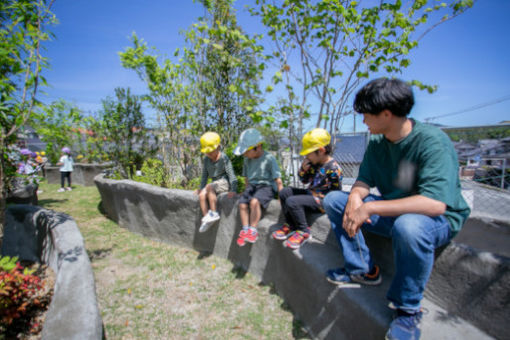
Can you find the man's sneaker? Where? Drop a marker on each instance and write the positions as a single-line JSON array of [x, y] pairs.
[[372, 278], [283, 233], [69, 189], [405, 326], [242, 235], [340, 277], [61, 190], [298, 238]]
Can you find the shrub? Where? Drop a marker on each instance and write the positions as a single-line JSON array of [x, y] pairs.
[[18, 287]]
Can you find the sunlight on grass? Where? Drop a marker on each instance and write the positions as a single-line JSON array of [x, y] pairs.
[[152, 290]]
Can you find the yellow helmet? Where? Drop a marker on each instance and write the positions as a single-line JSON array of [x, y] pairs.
[[314, 139], [209, 142]]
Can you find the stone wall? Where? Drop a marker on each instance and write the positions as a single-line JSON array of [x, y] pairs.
[[45, 236], [83, 174], [466, 297]]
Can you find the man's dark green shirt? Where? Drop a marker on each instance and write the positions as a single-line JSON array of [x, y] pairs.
[[423, 163]]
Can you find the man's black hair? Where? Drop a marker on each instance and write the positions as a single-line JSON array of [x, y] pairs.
[[385, 94]]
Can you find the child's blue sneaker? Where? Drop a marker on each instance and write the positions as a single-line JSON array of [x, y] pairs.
[[405, 326]]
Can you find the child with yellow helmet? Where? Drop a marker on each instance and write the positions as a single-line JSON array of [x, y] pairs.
[[262, 178], [322, 174], [217, 166]]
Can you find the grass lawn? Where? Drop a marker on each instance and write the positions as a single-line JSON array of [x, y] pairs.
[[152, 290]]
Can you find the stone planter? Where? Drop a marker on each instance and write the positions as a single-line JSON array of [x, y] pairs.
[[44, 236], [463, 276], [83, 174]]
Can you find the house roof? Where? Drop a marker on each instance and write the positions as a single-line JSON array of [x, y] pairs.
[[350, 148]]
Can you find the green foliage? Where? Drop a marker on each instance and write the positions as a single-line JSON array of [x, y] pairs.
[[122, 132], [237, 161], [18, 287], [212, 87], [153, 173], [341, 44], [57, 124], [241, 184], [22, 30], [473, 135]]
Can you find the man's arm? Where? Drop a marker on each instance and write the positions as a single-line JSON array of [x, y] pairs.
[[357, 212]]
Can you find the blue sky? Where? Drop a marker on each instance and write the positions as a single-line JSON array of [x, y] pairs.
[[468, 57]]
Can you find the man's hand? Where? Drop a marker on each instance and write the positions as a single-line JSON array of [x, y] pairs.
[[196, 192], [355, 213]]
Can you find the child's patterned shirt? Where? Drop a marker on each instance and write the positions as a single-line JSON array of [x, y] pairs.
[[322, 178]]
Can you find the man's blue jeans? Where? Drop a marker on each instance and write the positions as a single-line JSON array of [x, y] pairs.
[[414, 239]]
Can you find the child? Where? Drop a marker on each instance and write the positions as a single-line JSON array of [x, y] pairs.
[[217, 166], [262, 176], [322, 174], [66, 168]]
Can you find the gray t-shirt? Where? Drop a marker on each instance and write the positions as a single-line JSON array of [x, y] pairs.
[[222, 168], [262, 170]]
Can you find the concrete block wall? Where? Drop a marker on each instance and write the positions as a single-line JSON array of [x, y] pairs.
[[463, 276], [83, 174], [45, 236]]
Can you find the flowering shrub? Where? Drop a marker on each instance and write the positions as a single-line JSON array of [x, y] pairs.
[[20, 166], [18, 289]]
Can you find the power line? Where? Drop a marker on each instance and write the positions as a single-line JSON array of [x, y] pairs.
[[472, 108]]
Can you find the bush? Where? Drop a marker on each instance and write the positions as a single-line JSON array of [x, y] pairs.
[[17, 290]]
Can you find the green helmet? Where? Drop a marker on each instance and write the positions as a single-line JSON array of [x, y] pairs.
[[248, 139]]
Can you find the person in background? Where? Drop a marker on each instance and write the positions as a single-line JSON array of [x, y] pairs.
[[217, 166], [66, 168]]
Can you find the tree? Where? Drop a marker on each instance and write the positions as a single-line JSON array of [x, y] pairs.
[[333, 45], [23, 25], [213, 86], [58, 125], [122, 124]]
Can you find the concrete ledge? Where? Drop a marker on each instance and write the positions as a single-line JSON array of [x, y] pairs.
[[83, 174], [173, 216], [41, 235]]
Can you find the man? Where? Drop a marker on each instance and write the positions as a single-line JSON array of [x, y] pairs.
[[414, 166]]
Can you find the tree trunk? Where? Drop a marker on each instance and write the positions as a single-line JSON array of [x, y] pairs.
[[3, 192]]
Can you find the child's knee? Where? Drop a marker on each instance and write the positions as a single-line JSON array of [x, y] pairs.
[[254, 203]]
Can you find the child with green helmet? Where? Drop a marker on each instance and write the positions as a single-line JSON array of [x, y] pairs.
[[262, 178], [217, 166], [322, 174]]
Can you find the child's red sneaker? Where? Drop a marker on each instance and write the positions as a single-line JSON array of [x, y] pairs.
[[283, 233], [299, 238]]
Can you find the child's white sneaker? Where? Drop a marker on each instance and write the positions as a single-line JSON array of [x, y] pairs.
[[204, 227], [213, 216]]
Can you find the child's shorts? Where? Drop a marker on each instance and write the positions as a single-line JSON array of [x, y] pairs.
[[263, 193], [220, 185]]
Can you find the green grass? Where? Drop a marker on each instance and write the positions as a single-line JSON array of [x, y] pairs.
[[152, 290]]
